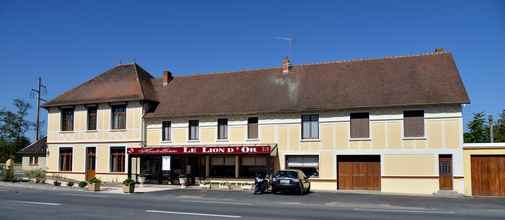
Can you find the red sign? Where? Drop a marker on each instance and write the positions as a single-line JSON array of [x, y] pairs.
[[200, 150]]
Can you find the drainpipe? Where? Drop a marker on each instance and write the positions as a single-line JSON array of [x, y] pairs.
[[491, 138]]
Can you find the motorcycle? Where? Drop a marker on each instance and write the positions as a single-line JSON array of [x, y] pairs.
[[261, 184]]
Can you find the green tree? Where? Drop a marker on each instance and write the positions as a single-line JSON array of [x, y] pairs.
[[13, 126], [478, 129], [499, 128]]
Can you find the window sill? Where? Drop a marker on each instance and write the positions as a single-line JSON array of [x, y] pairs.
[[311, 140], [91, 131], [118, 130], [193, 141], [166, 142], [66, 132], [252, 139], [414, 138], [360, 139], [222, 140]]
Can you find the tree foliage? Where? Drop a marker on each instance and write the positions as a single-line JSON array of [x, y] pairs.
[[13, 126], [478, 129], [499, 128]]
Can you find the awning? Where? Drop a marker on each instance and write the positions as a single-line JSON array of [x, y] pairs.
[[205, 150]]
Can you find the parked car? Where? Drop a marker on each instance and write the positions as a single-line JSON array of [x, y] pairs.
[[290, 180]]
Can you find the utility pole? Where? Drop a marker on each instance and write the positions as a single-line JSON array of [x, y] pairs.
[[38, 95], [491, 138]]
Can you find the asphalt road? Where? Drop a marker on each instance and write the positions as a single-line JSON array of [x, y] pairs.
[[23, 203]]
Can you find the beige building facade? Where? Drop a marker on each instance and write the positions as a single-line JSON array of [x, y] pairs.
[[407, 165], [376, 134]]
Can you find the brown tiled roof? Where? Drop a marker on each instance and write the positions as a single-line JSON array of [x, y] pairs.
[[126, 82], [36, 148], [428, 79]]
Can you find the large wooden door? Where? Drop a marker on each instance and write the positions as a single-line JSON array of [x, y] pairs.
[[488, 175], [90, 162], [445, 172], [361, 172]]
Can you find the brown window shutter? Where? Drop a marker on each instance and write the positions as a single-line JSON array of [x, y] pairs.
[[413, 123], [252, 128], [360, 125]]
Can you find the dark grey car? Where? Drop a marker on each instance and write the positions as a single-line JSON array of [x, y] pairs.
[[290, 180]]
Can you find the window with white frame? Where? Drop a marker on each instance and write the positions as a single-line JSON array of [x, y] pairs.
[[222, 129], [165, 131], [117, 159], [193, 129], [310, 126]]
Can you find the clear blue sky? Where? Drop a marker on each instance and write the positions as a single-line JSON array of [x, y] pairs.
[[68, 42]]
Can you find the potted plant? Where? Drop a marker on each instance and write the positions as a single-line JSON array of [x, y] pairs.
[[70, 183], [142, 179], [182, 181], [94, 184], [83, 184], [128, 186], [57, 183]]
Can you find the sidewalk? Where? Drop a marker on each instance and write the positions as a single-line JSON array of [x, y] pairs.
[[105, 188]]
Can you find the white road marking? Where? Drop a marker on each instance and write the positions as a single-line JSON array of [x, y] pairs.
[[38, 203], [405, 211], [193, 213], [218, 202]]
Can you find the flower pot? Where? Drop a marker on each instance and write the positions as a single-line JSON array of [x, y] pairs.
[[182, 181], [142, 179], [93, 187], [129, 188]]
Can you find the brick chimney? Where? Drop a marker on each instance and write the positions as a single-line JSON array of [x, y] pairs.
[[167, 77], [286, 65], [439, 50]]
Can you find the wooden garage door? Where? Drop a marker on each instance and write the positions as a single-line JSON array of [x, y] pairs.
[[359, 172], [488, 175]]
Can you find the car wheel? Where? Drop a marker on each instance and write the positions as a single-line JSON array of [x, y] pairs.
[[301, 191]]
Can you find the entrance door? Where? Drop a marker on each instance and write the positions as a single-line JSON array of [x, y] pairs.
[[90, 162], [445, 172], [359, 172], [488, 175]]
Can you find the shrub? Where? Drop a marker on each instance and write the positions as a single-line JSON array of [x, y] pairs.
[[83, 184], [8, 174], [38, 174], [70, 183], [94, 180], [57, 183], [128, 182]]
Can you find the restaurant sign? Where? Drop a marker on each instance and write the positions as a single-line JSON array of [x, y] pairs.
[[200, 150]]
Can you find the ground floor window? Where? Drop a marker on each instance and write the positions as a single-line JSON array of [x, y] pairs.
[[34, 160], [250, 166], [309, 164], [117, 159], [66, 159], [222, 166]]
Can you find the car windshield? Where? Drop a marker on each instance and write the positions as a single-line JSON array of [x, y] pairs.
[[290, 174]]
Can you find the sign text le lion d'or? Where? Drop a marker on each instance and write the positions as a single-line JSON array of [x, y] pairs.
[[202, 150]]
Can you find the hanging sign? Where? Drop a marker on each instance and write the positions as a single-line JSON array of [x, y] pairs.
[[165, 163]]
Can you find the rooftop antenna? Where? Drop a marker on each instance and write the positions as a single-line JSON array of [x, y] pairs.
[[290, 44], [38, 93]]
